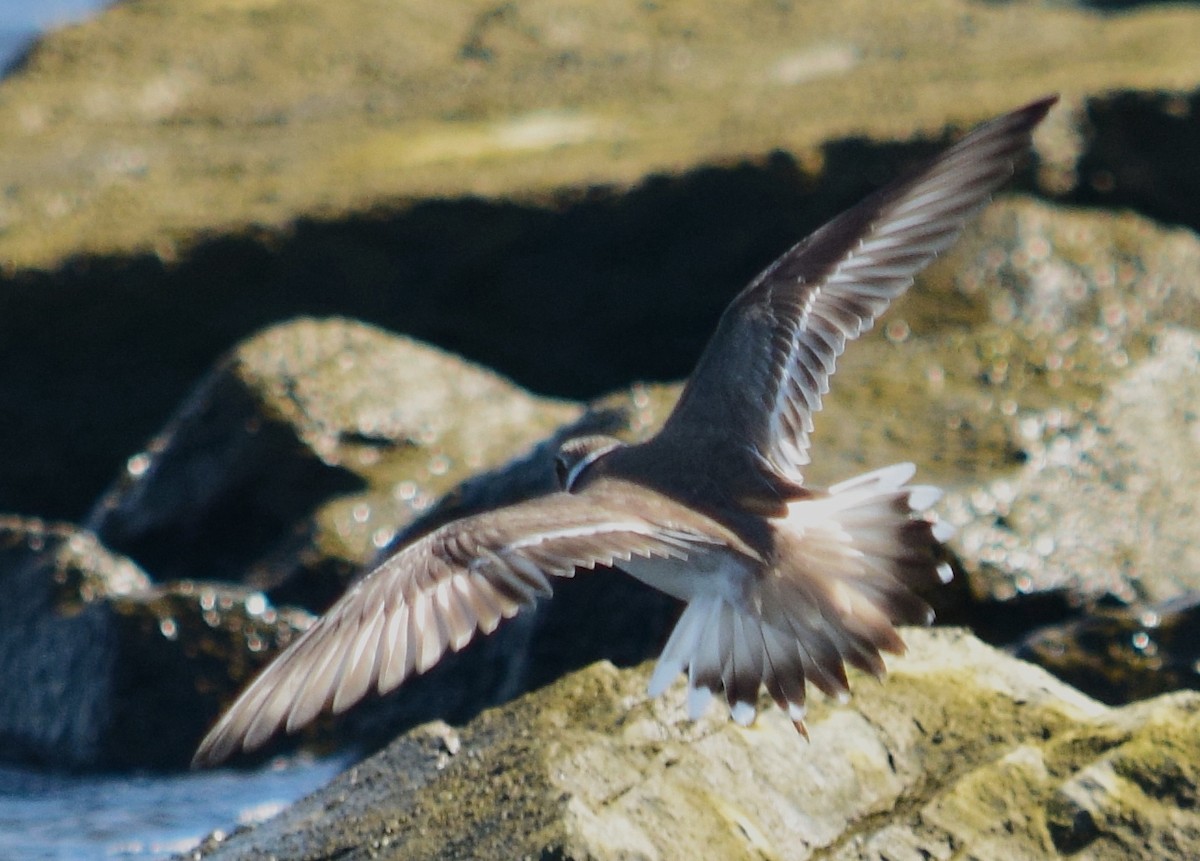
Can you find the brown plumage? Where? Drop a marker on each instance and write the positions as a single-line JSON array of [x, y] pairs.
[[783, 584]]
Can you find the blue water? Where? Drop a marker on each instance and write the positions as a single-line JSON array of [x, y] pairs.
[[59, 818], [22, 20]]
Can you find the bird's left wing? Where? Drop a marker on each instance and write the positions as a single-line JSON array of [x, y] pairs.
[[434, 595]]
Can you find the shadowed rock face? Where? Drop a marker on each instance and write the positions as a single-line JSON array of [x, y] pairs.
[[104, 669]]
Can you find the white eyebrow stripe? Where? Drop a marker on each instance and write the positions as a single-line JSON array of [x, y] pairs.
[[583, 464]]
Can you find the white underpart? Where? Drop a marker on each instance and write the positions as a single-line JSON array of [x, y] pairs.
[[723, 591], [711, 582], [705, 572], [821, 512]]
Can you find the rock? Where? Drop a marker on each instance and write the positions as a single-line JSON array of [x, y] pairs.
[[181, 647], [537, 176], [104, 670], [1125, 652], [307, 451], [57, 640], [300, 456], [1072, 377], [569, 196], [261, 113], [1105, 504], [1040, 373], [1035, 355], [962, 751], [1141, 155]]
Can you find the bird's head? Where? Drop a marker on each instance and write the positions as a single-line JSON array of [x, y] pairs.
[[575, 456]]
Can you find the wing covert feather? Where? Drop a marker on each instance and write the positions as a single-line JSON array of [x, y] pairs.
[[430, 597]]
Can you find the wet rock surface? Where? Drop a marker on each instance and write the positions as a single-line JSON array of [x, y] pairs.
[[1121, 652], [57, 640], [964, 749], [104, 669], [1052, 372]]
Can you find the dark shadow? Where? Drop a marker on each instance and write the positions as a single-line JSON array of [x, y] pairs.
[[1143, 153], [571, 297]]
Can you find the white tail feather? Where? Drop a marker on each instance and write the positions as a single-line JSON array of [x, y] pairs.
[[845, 566]]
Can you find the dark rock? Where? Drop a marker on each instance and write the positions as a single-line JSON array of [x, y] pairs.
[[181, 648], [1141, 154], [1122, 653], [101, 669], [58, 643]]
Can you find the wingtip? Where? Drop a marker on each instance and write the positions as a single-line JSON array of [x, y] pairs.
[[1030, 115], [1015, 124], [1041, 107], [209, 754]]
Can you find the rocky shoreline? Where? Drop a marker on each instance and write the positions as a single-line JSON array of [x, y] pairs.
[[280, 297]]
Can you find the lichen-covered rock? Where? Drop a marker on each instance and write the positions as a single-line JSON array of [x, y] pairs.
[[963, 752], [1106, 503], [125, 134], [1078, 375]]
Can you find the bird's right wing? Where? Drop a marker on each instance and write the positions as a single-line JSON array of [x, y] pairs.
[[765, 369], [434, 595]]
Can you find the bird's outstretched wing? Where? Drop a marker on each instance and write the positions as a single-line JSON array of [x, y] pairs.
[[434, 595], [762, 375]]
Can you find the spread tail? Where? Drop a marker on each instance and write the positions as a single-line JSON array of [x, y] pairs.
[[847, 563]]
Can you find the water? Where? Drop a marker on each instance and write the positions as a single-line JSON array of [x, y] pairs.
[[52, 817], [22, 20]]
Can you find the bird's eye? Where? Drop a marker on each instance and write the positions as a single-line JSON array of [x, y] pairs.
[[561, 472]]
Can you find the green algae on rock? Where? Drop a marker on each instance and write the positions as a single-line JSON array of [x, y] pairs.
[[151, 123], [963, 750]]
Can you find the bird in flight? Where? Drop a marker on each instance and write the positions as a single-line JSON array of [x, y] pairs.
[[782, 584]]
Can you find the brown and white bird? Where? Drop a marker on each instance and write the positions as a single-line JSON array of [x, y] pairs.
[[782, 583]]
